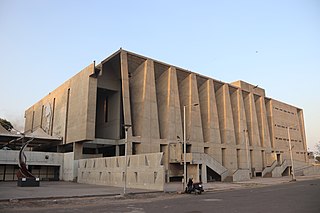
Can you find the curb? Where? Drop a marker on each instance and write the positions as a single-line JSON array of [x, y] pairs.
[[56, 197], [75, 196]]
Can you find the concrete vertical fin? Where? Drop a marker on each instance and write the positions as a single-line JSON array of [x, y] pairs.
[[144, 102], [189, 96], [151, 122], [91, 111], [253, 132], [163, 97], [239, 116], [125, 90], [263, 123], [252, 120], [169, 109], [226, 119], [137, 95], [270, 120], [174, 119], [195, 122], [209, 113]]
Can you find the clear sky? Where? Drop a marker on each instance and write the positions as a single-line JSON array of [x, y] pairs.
[[273, 43]]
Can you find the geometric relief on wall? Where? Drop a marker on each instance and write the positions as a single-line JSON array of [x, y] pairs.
[[47, 117]]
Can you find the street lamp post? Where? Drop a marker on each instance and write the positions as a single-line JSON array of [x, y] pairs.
[[291, 157], [247, 151], [185, 145], [126, 128]]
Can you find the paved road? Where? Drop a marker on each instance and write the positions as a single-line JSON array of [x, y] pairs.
[[301, 196]]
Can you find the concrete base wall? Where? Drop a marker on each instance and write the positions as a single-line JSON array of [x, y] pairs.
[[68, 167], [314, 170], [144, 171], [241, 175], [33, 158], [11, 157]]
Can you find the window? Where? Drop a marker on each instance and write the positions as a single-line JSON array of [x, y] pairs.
[[106, 109]]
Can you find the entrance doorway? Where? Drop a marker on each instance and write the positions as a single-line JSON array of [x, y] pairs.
[[278, 159]]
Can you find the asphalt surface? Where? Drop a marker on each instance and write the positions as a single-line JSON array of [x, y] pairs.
[[300, 196], [285, 198], [59, 189]]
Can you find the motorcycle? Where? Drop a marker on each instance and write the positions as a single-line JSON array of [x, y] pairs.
[[196, 188]]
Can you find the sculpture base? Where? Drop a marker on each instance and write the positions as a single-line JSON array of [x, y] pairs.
[[28, 182]]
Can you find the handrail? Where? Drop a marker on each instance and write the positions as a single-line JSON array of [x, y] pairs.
[[303, 168], [274, 162], [269, 168], [239, 170]]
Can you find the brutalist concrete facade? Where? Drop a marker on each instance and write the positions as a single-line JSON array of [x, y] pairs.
[[233, 131]]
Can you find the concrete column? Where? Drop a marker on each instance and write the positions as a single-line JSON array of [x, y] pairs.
[[204, 173], [77, 149], [243, 161], [117, 150], [92, 106], [60, 149]]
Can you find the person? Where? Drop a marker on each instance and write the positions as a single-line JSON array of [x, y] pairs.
[[190, 184]]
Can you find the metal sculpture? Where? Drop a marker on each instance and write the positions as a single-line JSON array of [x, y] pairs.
[[25, 177], [23, 170]]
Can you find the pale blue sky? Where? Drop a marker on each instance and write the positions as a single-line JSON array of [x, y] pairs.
[[272, 43]]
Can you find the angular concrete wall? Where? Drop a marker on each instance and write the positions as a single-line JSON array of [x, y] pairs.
[[78, 95], [144, 171]]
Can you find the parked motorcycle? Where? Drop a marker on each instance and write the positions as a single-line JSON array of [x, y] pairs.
[[196, 188]]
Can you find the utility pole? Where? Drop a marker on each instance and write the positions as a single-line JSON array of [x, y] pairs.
[[126, 128], [185, 145], [291, 157]]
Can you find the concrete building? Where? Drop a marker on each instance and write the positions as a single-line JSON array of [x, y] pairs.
[[233, 131]]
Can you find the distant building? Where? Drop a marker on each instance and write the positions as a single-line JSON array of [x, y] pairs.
[[233, 131]]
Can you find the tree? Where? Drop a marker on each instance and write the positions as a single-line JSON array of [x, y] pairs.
[[317, 149], [6, 124]]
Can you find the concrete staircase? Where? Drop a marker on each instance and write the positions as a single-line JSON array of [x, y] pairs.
[[205, 159], [278, 170], [267, 172]]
